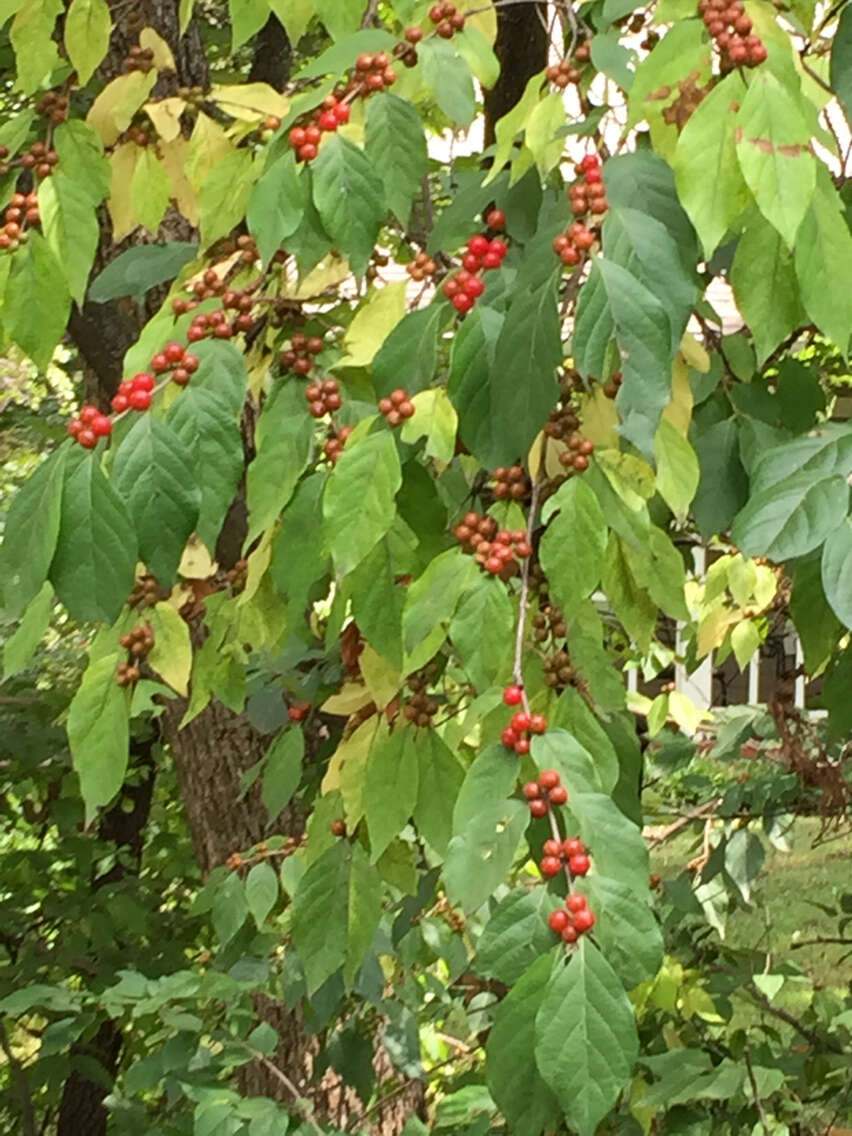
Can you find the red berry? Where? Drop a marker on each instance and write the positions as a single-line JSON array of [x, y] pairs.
[[521, 722], [462, 302], [570, 934], [313, 134], [522, 747], [327, 120], [552, 847], [573, 846], [87, 438], [509, 737], [101, 425], [472, 262], [579, 865], [590, 162], [576, 902], [88, 414], [513, 696], [159, 363], [181, 376], [538, 808], [498, 247], [491, 260], [191, 363], [139, 399], [308, 152], [173, 352], [195, 333], [550, 866], [531, 790], [75, 426], [478, 245], [549, 779], [119, 403], [558, 920], [538, 723], [559, 795], [496, 219], [297, 137], [341, 113], [143, 382], [584, 920], [474, 286], [450, 287]]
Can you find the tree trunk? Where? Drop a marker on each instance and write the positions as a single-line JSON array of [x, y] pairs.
[[521, 48]]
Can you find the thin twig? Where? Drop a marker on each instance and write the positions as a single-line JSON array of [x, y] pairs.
[[700, 813], [817, 1040], [752, 1079], [302, 1103], [517, 668], [20, 1078], [818, 942]]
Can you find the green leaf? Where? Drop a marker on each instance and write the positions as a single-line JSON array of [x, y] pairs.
[[615, 842], [396, 145], [841, 61], [31, 531], [150, 190], [817, 625], [558, 749], [98, 733], [210, 432], [541, 132], [821, 453], [683, 51], [364, 911], [340, 17], [276, 206], [295, 16], [82, 159], [448, 77], [151, 474], [824, 252], [261, 891], [224, 194], [773, 148], [791, 518], [744, 856], [678, 471], [586, 1041], [481, 631], [433, 597], [349, 195], [37, 302], [247, 18], [631, 602], [138, 269], [710, 183], [439, 780], [222, 372], [230, 909], [516, 934], [572, 548], [21, 644], [411, 350], [626, 930], [390, 789], [723, 485], [513, 1077], [837, 571], [88, 25], [763, 277], [284, 440], [377, 602], [476, 50], [95, 560], [358, 503], [31, 35], [339, 56], [282, 771], [612, 58]]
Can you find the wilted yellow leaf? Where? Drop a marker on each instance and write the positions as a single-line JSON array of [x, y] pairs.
[[151, 41], [112, 111]]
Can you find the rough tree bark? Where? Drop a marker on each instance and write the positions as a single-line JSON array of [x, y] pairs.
[[521, 48]]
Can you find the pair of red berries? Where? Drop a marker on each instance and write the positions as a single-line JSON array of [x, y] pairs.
[[89, 426], [305, 140], [571, 851], [483, 254], [572, 920], [175, 358], [547, 791], [135, 393], [298, 711]]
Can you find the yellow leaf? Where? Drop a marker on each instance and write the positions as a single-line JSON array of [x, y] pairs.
[[163, 58], [171, 655], [88, 24], [383, 680], [208, 145], [766, 586], [351, 697], [150, 190], [123, 165], [250, 102], [165, 116], [258, 562], [684, 711], [330, 272], [184, 14], [353, 749], [196, 562], [679, 409], [599, 418], [173, 156], [485, 20], [694, 353], [372, 324], [631, 477], [112, 111], [713, 628], [435, 416]]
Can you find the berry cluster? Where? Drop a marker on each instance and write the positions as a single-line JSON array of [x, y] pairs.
[[463, 288], [372, 73], [422, 267], [731, 28], [216, 325], [137, 133], [262, 851], [510, 482], [556, 853], [517, 734], [298, 357], [21, 213], [611, 386], [446, 19], [566, 71], [305, 138], [562, 420], [549, 623], [498, 552], [335, 442], [473, 529], [89, 426], [572, 920], [420, 708], [298, 711], [175, 358], [588, 194], [572, 245], [396, 407], [53, 106], [145, 592], [541, 794], [137, 643], [237, 575], [40, 159], [323, 398], [138, 59], [559, 671], [576, 457]]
